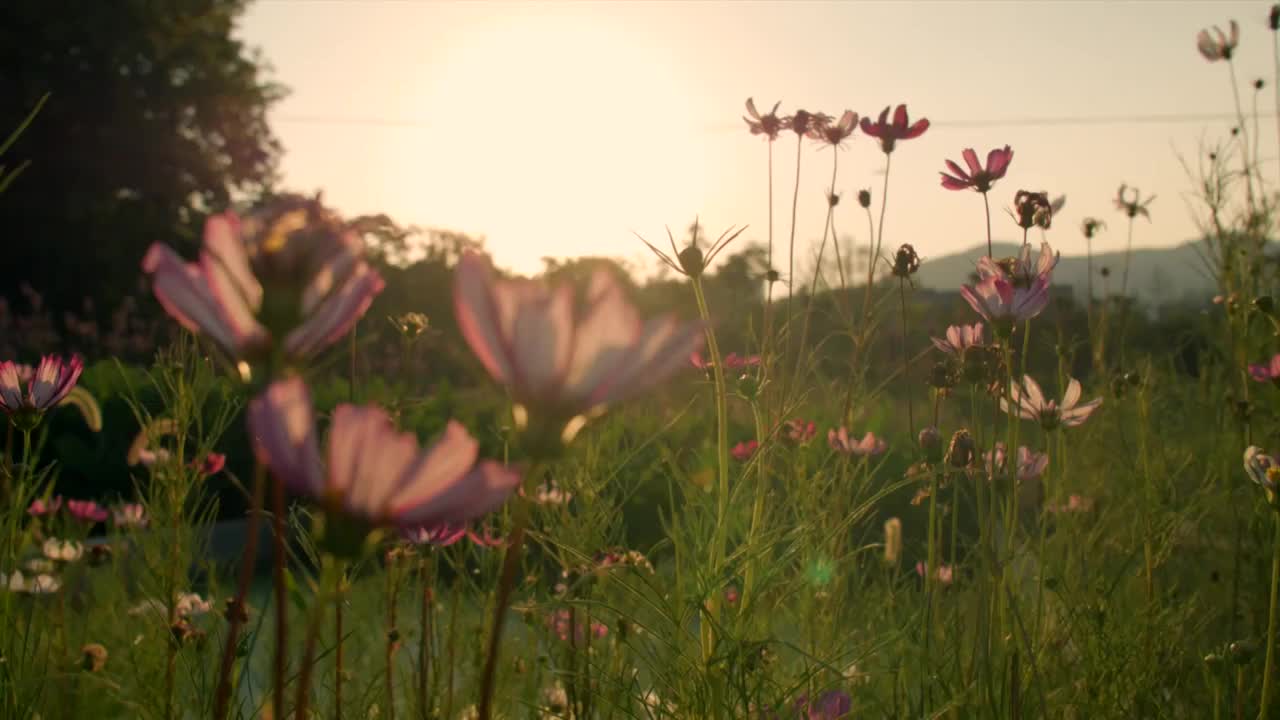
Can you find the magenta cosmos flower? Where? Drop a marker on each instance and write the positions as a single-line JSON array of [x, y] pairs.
[[960, 338], [743, 451], [889, 133], [447, 534], [768, 124], [978, 177], [39, 507], [560, 358], [1218, 45], [373, 474], [1266, 372], [86, 511], [1032, 405], [998, 300], [46, 386], [732, 361], [1020, 269], [1031, 464], [830, 705], [291, 270], [834, 133], [944, 576], [799, 431], [869, 446]]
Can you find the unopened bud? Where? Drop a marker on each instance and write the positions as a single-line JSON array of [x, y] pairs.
[[691, 261], [905, 261], [931, 443], [1242, 651], [1273, 20], [864, 198], [961, 451], [92, 657], [892, 541]]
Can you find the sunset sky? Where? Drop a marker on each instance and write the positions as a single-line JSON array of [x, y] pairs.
[[557, 129]]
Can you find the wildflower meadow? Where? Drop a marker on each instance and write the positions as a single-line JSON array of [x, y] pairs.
[[289, 479]]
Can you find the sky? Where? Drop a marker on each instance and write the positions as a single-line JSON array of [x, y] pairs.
[[559, 129]]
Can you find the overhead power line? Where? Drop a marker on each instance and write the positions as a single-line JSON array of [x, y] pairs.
[[1062, 121]]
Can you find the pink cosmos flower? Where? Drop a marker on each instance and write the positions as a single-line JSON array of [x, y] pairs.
[[1031, 464], [731, 595], [945, 574], [799, 432], [39, 507], [743, 451], [834, 133], [868, 446], [86, 511], [1268, 372], [1218, 46], [558, 358], [890, 133], [768, 124], [562, 623], [960, 338], [732, 361], [129, 515], [803, 121], [290, 270], [211, 464], [46, 386], [446, 534], [374, 474], [1032, 405], [1019, 269], [978, 177], [1001, 302]]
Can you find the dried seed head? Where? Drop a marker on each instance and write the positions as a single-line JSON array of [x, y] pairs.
[[930, 441], [962, 449], [905, 262], [864, 198]]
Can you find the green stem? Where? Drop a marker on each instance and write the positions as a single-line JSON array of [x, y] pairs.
[[757, 515], [1268, 669], [722, 460], [330, 579]]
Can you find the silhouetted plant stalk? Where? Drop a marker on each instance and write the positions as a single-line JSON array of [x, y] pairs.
[[757, 512], [791, 249], [428, 575], [328, 588], [1269, 668], [392, 631], [280, 561], [236, 609], [832, 200], [338, 641]]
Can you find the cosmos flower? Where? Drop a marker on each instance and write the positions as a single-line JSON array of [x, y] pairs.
[[1033, 209], [1031, 464], [212, 464], [1269, 372], [834, 133], [36, 585], [1003, 303], [1019, 269], [46, 386], [374, 475], [1134, 205], [803, 121], [447, 534], [41, 507], [290, 270], [868, 446], [978, 177], [563, 623], [889, 133], [732, 361], [960, 338], [1090, 226], [798, 431], [1218, 45], [129, 515], [768, 124], [86, 511], [1262, 469], [62, 550], [1032, 405], [560, 358], [1074, 504], [743, 451], [945, 574]]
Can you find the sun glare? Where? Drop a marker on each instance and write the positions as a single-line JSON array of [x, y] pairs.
[[566, 128]]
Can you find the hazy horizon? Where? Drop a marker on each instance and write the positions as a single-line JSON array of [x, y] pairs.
[[557, 129]]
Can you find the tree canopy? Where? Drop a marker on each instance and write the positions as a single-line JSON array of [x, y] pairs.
[[156, 115]]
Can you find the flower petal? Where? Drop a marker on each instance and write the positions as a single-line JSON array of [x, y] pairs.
[[476, 311], [602, 343], [433, 471], [1072, 395], [282, 429], [971, 159], [336, 314], [184, 292]]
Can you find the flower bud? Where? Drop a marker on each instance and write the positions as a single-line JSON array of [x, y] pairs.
[[833, 199], [931, 443], [961, 451], [1273, 20], [905, 262], [892, 541], [864, 198], [1242, 651], [1213, 661], [691, 261]]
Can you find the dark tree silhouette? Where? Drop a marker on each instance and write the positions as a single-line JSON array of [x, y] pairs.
[[156, 116]]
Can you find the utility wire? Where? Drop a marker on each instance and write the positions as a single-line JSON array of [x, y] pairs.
[[1063, 121]]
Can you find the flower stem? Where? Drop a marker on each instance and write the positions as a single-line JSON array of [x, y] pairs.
[[757, 515], [722, 460], [424, 637], [337, 653], [906, 358], [1268, 668], [791, 268], [281, 593], [986, 204], [506, 586], [330, 581], [236, 610]]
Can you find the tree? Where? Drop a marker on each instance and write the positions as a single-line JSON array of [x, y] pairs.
[[156, 116]]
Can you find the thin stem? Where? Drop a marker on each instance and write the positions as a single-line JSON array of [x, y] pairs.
[[986, 204], [330, 581], [337, 654], [282, 601], [757, 515], [506, 586], [722, 458], [424, 637], [906, 358], [236, 611], [1244, 137], [1268, 669], [393, 635], [791, 269]]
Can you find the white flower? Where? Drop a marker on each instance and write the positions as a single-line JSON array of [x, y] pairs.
[[64, 550]]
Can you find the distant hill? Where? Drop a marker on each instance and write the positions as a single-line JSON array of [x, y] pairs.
[[1156, 275]]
